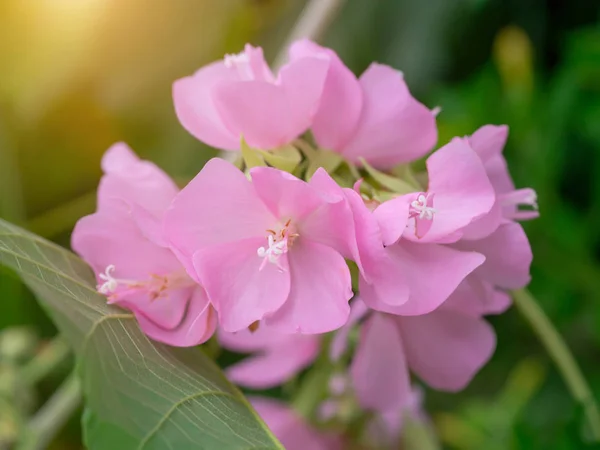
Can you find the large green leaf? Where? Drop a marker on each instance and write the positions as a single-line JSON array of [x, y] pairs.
[[139, 394]]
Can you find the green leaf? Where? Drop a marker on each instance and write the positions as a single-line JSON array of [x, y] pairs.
[[285, 158], [139, 394], [326, 159], [252, 157], [392, 183]]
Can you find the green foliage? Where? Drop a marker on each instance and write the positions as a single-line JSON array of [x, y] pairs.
[[139, 394]]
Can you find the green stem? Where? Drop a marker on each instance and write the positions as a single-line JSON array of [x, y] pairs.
[[46, 361], [563, 358], [52, 416]]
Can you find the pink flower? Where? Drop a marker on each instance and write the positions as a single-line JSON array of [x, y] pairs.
[[445, 348], [489, 141], [123, 244], [291, 430], [240, 96], [400, 276], [508, 256], [373, 117], [459, 192], [272, 248], [276, 357]]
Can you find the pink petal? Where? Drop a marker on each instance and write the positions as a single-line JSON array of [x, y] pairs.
[[333, 224], [508, 256], [462, 189], [393, 126], [290, 428], [102, 239], [432, 272], [276, 366], [286, 196], [447, 348], [476, 297], [218, 206], [485, 225], [132, 181], [381, 274], [271, 115], [238, 289], [196, 110], [498, 173], [489, 141], [341, 101], [320, 290], [246, 341], [164, 313], [379, 372], [197, 326], [339, 343], [303, 81], [392, 217]]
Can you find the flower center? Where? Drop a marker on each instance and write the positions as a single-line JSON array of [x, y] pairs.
[[278, 243], [422, 207], [156, 286]]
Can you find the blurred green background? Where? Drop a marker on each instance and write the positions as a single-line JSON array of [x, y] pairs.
[[78, 75]]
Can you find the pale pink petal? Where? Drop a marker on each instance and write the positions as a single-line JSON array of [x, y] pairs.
[[197, 326], [447, 348], [320, 291], [341, 101], [255, 110], [246, 341], [379, 372], [240, 291], [286, 196], [196, 110], [432, 272], [393, 126], [333, 224], [461, 187], [165, 312], [498, 173], [218, 206], [258, 69], [100, 239], [485, 225], [290, 428], [302, 81], [339, 342], [275, 366], [508, 256], [392, 217], [133, 181], [489, 141], [381, 277]]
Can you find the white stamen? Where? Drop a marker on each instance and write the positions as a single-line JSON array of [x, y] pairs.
[[420, 206], [110, 283], [273, 252], [234, 60]]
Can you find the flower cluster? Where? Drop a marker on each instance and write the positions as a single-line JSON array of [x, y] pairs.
[[321, 225]]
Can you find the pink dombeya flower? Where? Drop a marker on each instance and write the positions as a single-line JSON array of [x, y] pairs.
[[488, 142], [275, 359], [373, 117], [240, 96], [411, 278], [270, 248], [291, 429], [445, 348], [135, 269]]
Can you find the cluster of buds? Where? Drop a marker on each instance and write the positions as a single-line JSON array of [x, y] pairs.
[[320, 225]]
